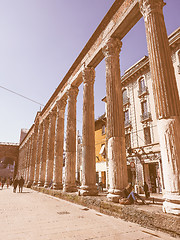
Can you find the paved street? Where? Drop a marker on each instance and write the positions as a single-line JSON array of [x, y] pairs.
[[35, 216]]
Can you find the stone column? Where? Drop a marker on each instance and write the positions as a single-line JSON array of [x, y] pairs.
[[38, 154], [33, 157], [70, 161], [88, 135], [50, 149], [115, 121], [31, 161], [42, 166], [28, 159], [166, 100], [59, 144]]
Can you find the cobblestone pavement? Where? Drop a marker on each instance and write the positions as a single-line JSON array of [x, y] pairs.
[[35, 216]]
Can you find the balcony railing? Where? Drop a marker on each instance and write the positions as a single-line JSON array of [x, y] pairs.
[[142, 91], [146, 117]]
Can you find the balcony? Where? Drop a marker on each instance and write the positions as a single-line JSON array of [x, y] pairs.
[[145, 117], [143, 91]]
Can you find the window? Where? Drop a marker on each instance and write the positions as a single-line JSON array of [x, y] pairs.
[[128, 140], [144, 108], [142, 85], [125, 97], [126, 118], [103, 129], [147, 135], [146, 116]]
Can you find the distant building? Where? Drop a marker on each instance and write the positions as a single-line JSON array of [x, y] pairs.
[[24, 131]]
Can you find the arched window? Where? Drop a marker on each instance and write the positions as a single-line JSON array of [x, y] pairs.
[[142, 85], [125, 97]]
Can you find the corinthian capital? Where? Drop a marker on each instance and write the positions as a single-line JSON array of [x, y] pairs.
[[149, 6], [52, 113], [61, 103], [112, 47], [72, 92], [88, 75]]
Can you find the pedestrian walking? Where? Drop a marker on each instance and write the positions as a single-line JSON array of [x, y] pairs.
[[21, 184], [15, 184], [8, 182], [146, 190], [3, 182]]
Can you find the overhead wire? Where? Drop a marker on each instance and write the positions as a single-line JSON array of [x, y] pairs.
[[21, 96]]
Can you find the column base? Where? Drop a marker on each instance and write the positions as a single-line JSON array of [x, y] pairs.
[[114, 195], [88, 191], [69, 188], [40, 184], [57, 186], [171, 204], [46, 184], [35, 183]]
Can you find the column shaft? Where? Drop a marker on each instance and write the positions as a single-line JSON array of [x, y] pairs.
[[88, 135], [59, 144], [42, 167], [166, 100], [50, 149], [115, 121], [38, 154], [70, 161], [32, 157]]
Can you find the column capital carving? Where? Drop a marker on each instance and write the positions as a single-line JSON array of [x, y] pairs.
[[61, 103], [88, 75], [149, 6], [46, 121], [52, 113], [72, 92], [112, 47]]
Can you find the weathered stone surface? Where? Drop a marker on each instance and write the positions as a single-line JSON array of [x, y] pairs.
[[166, 96], [70, 161], [50, 148], [38, 154], [115, 120], [42, 167], [88, 135], [59, 144]]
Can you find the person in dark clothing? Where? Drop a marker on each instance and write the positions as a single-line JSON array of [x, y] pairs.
[[146, 190], [3, 182], [21, 184], [15, 184], [129, 194], [127, 190]]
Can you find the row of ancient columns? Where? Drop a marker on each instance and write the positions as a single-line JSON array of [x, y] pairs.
[[45, 148], [44, 157]]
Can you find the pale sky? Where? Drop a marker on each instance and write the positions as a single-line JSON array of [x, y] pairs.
[[40, 40]]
